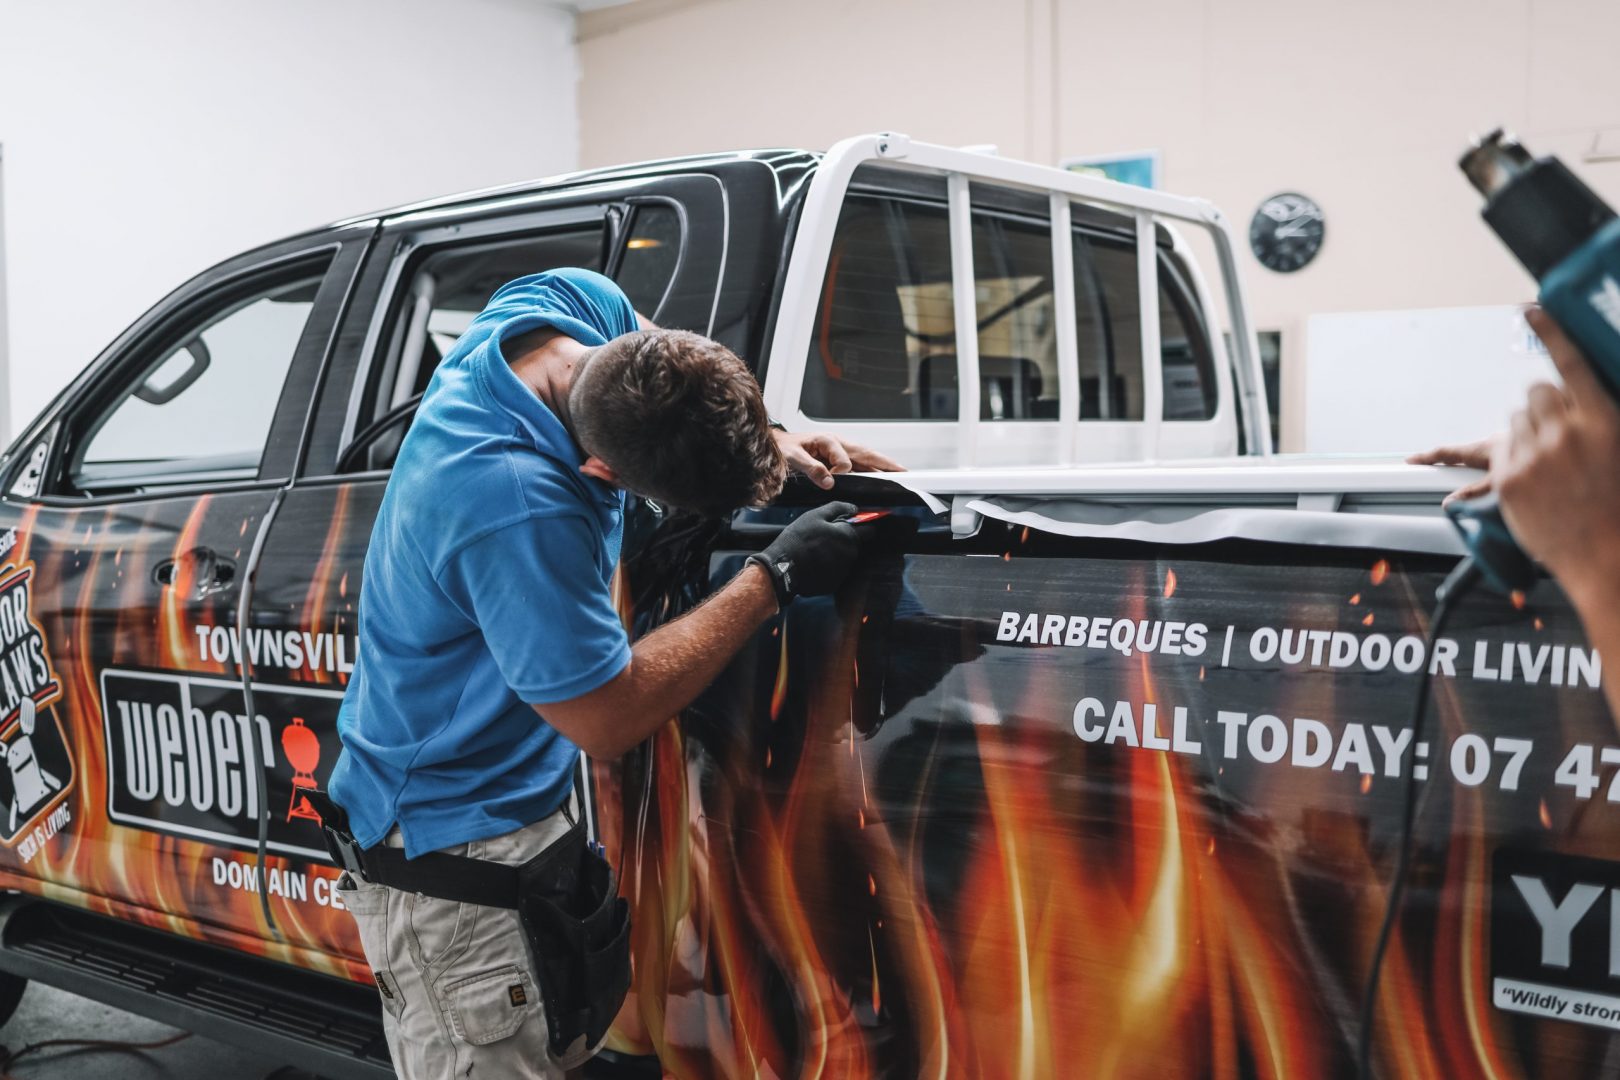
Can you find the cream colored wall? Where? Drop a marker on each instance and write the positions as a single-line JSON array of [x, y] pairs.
[[1361, 105]]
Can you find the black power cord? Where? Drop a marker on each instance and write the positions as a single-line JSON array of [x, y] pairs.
[[1457, 584], [9, 1057]]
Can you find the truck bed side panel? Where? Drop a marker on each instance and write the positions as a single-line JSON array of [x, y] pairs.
[[1057, 808]]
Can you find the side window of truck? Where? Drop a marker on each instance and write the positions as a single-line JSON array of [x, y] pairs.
[[651, 253], [441, 291], [884, 344], [444, 286], [196, 405]]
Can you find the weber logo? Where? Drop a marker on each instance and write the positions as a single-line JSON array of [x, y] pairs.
[[181, 753], [1555, 937]]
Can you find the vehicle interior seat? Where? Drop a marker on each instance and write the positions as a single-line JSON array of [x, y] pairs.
[[1010, 388]]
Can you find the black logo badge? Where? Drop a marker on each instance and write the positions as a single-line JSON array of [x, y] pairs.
[[182, 753], [25, 665], [1555, 937], [38, 769], [38, 765]]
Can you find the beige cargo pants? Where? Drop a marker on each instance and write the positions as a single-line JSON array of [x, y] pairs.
[[458, 992]]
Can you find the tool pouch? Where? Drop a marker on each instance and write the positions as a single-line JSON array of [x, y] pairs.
[[575, 923], [578, 929]]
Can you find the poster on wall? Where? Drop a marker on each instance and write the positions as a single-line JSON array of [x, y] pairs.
[[1139, 167]]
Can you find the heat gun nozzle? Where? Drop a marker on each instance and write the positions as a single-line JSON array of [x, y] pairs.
[[1493, 161]]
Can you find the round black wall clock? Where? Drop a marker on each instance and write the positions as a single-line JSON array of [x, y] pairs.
[[1286, 232]]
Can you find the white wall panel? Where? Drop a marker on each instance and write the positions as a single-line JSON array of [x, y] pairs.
[[1398, 381], [145, 141]]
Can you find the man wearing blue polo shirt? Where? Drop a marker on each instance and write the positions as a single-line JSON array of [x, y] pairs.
[[490, 650]]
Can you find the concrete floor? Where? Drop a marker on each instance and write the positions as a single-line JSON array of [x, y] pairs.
[[48, 1013]]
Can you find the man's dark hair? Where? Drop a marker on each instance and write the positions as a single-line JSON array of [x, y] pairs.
[[680, 419]]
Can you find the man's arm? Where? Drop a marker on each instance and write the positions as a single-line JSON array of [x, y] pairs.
[[1556, 476], [672, 665], [1554, 471], [668, 669]]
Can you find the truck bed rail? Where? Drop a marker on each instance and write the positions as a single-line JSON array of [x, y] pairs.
[[1340, 502]]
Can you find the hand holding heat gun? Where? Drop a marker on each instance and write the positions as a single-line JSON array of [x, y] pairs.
[[1569, 240]]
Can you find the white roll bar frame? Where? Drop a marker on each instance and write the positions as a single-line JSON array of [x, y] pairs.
[[818, 222]]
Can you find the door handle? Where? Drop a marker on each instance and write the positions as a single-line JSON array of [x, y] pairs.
[[211, 571]]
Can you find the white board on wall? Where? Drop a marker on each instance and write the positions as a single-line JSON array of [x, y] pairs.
[[1396, 381]]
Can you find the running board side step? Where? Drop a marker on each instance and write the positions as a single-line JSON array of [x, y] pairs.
[[316, 1022]]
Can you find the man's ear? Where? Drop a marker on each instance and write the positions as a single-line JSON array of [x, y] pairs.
[[595, 466]]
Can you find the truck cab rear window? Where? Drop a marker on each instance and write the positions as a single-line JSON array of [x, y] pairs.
[[1012, 274], [885, 323], [884, 344], [1190, 392]]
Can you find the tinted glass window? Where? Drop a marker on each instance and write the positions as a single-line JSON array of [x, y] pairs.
[[885, 324], [1108, 328], [1012, 270], [201, 410], [1270, 344], [1190, 392], [884, 343], [451, 286], [650, 255], [445, 290]]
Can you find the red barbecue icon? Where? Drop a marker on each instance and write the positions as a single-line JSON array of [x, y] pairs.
[[303, 749]]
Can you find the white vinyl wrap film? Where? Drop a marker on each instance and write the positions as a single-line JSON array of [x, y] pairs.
[[1347, 501], [1193, 525]]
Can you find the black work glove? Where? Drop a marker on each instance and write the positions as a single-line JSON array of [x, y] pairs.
[[812, 556]]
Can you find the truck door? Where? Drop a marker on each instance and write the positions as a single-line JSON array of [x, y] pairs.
[[126, 524], [431, 275]]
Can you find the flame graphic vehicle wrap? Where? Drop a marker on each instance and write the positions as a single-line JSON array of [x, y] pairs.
[[158, 823], [891, 842], [893, 839]]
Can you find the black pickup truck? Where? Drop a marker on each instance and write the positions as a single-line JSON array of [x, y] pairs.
[[1094, 769]]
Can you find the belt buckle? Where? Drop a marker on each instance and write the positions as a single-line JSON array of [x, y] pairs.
[[346, 851]]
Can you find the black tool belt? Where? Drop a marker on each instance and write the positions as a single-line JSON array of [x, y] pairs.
[[576, 924]]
